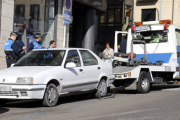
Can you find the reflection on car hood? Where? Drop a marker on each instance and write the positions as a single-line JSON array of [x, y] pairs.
[[24, 71]]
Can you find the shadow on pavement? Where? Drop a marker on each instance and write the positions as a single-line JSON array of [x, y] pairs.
[[122, 91], [76, 98], [161, 87], [3, 110], [153, 88], [38, 103]]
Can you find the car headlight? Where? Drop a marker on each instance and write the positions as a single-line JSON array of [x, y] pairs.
[[25, 80]]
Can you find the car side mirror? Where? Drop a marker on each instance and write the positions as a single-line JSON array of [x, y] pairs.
[[12, 65], [70, 65]]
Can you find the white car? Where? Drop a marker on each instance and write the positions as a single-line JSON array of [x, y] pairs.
[[49, 73]]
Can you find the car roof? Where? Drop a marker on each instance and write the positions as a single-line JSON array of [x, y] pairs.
[[59, 49]]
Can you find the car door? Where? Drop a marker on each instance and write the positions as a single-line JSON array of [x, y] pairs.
[[91, 69], [72, 77]]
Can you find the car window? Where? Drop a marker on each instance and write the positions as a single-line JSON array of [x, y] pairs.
[[42, 58], [73, 56], [88, 58]]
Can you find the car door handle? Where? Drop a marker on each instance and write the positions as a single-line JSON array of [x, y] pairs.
[[178, 54], [99, 68], [80, 70]]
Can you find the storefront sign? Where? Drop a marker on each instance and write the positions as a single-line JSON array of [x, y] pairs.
[[67, 10]]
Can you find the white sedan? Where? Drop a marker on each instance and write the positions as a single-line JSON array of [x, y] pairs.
[[49, 73]]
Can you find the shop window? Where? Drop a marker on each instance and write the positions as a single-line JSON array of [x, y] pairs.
[[118, 15], [19, 15], [148, 15], [103, 18], [110, 15], [35, 18]]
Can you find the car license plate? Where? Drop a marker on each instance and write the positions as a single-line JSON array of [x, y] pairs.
[[5, 88], [142, 28]]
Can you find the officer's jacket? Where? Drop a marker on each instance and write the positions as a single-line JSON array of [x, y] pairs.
[[11, 48], [34, 45]]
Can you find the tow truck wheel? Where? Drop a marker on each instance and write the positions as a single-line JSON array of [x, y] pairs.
[[51, 96], [101, 90], [143, 85]]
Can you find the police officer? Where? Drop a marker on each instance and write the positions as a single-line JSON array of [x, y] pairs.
[[52, 44], [35, 44], [12, 50], [20, 45]]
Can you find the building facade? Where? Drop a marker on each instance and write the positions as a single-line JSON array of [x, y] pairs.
[[151, 10], [93, 22]]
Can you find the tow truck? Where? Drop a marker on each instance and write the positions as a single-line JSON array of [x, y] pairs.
[[152, 56]]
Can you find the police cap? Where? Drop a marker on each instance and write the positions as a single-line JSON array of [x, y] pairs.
[[14, 33]]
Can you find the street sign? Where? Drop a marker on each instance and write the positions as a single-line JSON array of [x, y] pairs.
[[66, 22], [67, 10], [67, 15]]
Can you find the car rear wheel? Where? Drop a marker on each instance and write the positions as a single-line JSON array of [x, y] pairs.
[[51, 96], [102, 89]]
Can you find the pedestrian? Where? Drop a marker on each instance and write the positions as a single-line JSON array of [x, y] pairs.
[[52, 44], [108, 52], [122, 45], [12, 50], [35, 44]]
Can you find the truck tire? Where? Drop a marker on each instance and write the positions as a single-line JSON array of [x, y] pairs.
[[51, 96], [102, 89], [143, 85]]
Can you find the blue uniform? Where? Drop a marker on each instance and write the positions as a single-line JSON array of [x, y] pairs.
[[20, 45], [12, 52], [123, 45], [48, 53], [34, 45]]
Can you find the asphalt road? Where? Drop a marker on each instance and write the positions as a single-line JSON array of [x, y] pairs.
[[162, 103]]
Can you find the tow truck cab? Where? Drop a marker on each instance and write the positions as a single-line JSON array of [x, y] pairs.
[[159, 55]]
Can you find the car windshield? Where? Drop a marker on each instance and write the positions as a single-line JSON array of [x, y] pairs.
[[151, 36], [42, 58]]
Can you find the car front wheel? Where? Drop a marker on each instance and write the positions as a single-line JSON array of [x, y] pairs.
[[102, 89], [51, 96]]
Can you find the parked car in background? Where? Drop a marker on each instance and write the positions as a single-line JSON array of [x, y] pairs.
[[51, 73]]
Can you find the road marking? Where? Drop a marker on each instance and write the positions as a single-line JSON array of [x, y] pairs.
[[33, 115], [80, 105]]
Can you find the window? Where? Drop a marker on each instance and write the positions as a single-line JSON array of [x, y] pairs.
[[148, 15], [178, 37], [73, 57], [88, 58], [42, 58], [34, 21], [35, 16], [152, 36]]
